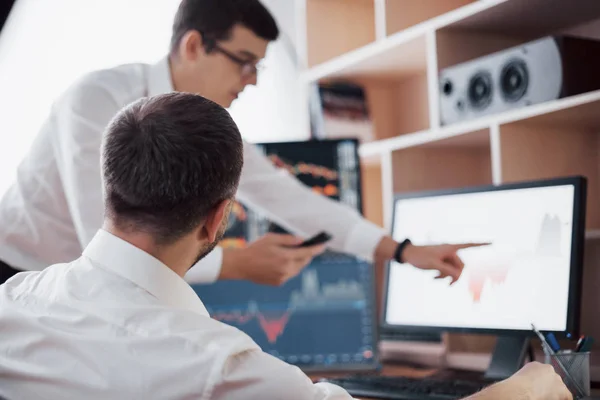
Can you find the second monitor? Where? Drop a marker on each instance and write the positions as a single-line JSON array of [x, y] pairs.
[[530, 273]]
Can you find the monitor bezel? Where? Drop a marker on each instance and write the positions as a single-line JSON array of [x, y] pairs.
[[576, 264]]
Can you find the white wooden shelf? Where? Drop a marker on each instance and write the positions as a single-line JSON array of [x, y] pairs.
[[395, 55], [403, 52], [556, 112], [392, 57], [529, 18]]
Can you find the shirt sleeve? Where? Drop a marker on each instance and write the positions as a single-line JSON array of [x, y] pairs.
[[208, 269], [286, 201], [254, 374], [82, 114]]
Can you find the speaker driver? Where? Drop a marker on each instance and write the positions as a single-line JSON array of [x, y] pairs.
[[480, 90], [514, 80]]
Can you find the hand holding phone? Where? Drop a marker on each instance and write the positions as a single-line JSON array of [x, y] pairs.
[[319, 238]]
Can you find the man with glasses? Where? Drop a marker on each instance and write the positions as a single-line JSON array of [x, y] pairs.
[[55, 207]]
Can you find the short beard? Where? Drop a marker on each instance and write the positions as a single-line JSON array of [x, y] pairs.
[[210, 246]]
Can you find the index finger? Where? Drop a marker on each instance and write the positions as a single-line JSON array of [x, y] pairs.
[[469, 245]]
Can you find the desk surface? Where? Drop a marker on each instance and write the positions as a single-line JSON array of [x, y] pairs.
[[387, 370], [412, 372]]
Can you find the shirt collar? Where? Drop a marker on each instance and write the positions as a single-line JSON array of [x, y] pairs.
[[159, 78], [144, 270]]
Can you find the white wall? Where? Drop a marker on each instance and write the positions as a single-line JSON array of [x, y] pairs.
[[46, 44], [279, 94]]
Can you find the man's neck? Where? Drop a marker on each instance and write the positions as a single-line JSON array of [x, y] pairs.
[[173, 256], [175, 73], [178, 74]]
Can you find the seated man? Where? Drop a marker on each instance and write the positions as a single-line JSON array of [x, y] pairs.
[[120, 322]]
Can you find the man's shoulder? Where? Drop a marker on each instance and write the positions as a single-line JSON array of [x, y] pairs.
[[203, 331], [121, 75], [120, 84], [26, 282]]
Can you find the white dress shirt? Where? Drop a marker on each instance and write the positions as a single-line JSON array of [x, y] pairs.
[[118, 324], [55, 206]]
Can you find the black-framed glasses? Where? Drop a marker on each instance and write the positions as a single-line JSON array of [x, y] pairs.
[[248, 68]]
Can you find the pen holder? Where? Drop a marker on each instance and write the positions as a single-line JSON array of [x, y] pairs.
[[575, 371]]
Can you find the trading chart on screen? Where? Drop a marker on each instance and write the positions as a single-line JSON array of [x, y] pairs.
[[529, 231], [295, 321], [332, 294]]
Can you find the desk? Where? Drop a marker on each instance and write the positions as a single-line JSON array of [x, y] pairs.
[[412, 372], [387, 370]]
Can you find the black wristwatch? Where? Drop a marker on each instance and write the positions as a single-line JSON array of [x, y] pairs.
[[400, 249]]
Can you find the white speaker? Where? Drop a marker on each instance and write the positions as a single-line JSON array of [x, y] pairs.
[[545, 69]]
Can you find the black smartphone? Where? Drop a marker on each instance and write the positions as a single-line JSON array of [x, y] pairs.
[[319, 238]]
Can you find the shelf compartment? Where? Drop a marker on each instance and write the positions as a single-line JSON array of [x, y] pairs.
[[534, 149], [452, 163], [402, 14], [530, 18], [383, 60], [394, 108], [397, 107], [335, 27]]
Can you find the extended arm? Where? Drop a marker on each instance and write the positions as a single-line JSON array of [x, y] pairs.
[[287, 202]]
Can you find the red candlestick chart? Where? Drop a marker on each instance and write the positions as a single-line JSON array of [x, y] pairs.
[[272, 324], [312, 295]]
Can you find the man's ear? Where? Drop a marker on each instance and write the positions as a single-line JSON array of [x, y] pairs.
[[191, 45], [214, 220]]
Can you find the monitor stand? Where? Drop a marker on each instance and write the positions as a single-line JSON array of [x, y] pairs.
[[508, 357]]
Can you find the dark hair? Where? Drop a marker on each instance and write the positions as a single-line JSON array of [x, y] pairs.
[[214, 19], [167, 161]]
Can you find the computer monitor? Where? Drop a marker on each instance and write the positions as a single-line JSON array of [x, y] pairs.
[[324, 318], [529, 274], [329, 167]]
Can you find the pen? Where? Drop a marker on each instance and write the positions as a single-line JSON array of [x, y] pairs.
[[579, 343], [545, 346], [548, 350], [553, 342], [586, 345]]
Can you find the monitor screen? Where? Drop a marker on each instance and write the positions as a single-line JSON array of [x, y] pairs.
[[298, 321], [335, 293], [526, 275]]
